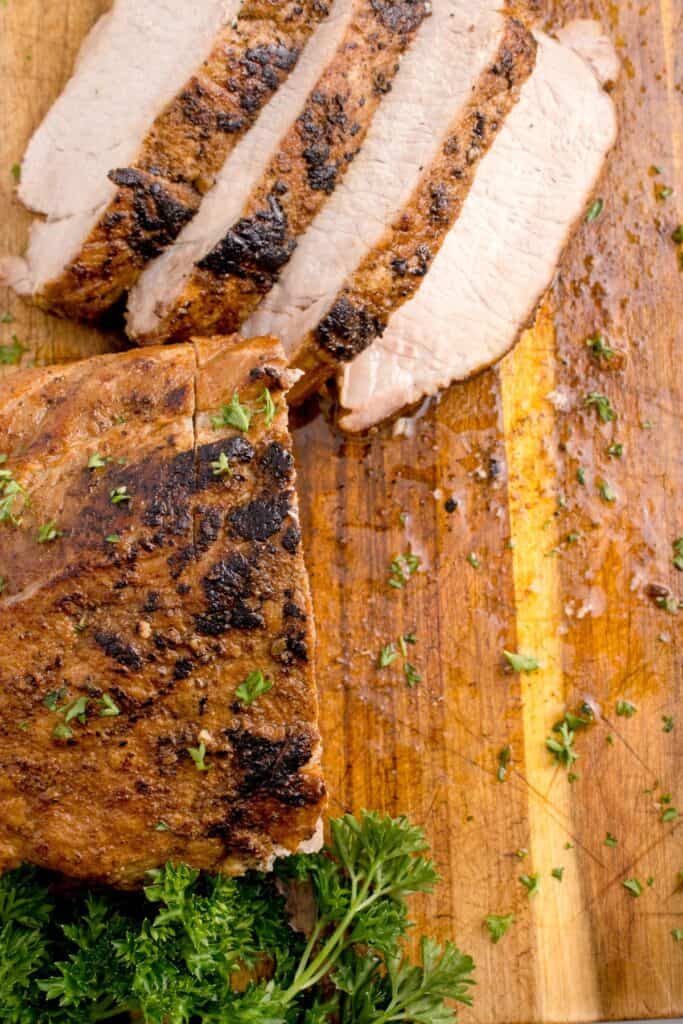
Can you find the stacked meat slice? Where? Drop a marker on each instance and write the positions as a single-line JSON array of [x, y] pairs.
[[394, 214]]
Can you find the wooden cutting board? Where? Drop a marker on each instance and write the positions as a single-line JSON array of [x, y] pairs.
[[560, 573]]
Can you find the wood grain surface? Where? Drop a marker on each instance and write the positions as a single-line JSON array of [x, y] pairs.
[[562, 574]]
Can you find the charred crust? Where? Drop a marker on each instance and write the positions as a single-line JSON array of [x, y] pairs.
[[264, 67], [291, 539], [236, 449], [401, 16], [255, 248], [347, 330], [210, 523], [182, 668], [273, 766], [290, 610], [118, 650], [157, 216], [166, 487], [261, 518], [322, 126], [227, 586], [277, 462]]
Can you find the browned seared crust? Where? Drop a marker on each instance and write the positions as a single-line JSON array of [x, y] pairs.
[[205, 585], [185, 148], [391, 273], [227, 285]]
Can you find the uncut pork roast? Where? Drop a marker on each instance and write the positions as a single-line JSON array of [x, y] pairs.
[[157, 665]]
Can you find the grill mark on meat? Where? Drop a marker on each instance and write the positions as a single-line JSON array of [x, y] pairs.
[[392, 271], [255, 248], [115, 647], [182, 153], [273, 766], [261, 518], [310, 159]]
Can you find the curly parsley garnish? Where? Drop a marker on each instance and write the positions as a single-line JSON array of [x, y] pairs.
[[181, 953]]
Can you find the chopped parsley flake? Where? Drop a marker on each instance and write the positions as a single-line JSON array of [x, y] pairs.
[[97, 461], [119, 495], [678, 554], [402, 568], [611, 840], [198, 755], [161, 826], [669, 814], [268, 407], [253, 687], [531, 883], [677, 934], [616, 450], [668, 723], [473, 560], [594, 210], [521, 662], [62, 732], [558, 873], [48, 532], [387, 655], [221, 467], [504, 759], [599, 347], [633, 886], [607, 492], [498, 925], [625, 709], [233, 415], [10, 355], [52, 699], [413, 677], [602, 406], [112, 538], [77, 709], [108, 709], [15, 171], [581, 476]]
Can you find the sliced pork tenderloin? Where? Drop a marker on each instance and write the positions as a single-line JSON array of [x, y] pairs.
[[274, 183], [118, 170], [374, 241], [502, 252]]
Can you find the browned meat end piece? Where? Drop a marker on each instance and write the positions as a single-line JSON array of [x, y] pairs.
[[150, 564]]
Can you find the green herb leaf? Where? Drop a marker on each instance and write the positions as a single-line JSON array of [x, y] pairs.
[[616, 450], [498, 925], [581, 476], [504, 759], [678, 553], [62, 732], [607, 492], [387, 655], [198, 755], [233, 415], [599, 347], [221, 467], [97, 461], [558, 873], [625, 709], [268, 407], [677, 235], [412, 676], [473, 560], [119, 495], [112, 538], [668, 723], [611, 840], [594, 210], [77, 710], [633, 886], [402, 568], [602, 406], [677, 934], [15, 171], [53, 698], [108, 709], [10, 355], [48, 533], [521, 662], [253, 687], [531, 883], [669, 814]]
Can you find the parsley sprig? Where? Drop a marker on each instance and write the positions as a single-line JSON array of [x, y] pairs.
[[179, 955]]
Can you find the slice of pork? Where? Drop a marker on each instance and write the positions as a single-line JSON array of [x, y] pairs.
[[372, 244], [275, 182], [159, 96], [500, 256]]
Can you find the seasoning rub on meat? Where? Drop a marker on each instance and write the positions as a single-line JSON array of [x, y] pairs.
[[156, 665], [160, 95], [376, 239], [273, 185]]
